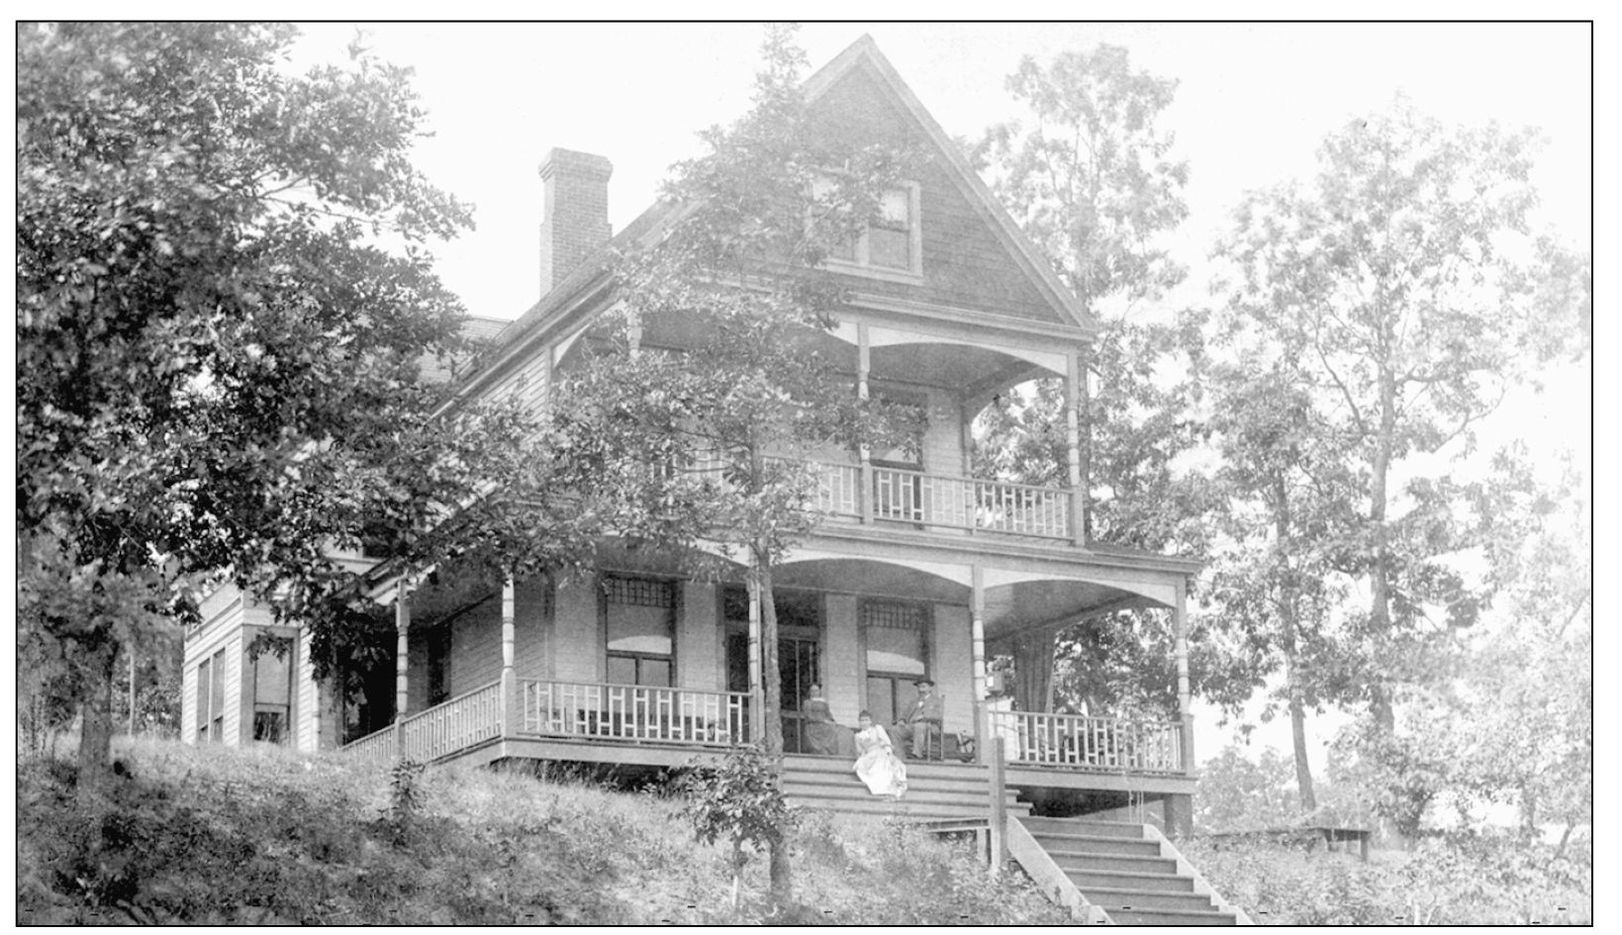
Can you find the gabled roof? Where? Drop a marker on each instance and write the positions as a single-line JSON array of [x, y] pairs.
[[864, 53], [586, 278]]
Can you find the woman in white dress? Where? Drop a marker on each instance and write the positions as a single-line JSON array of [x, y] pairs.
[[875, 764]]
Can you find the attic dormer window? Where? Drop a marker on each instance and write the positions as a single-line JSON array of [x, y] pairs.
[[890, 244]]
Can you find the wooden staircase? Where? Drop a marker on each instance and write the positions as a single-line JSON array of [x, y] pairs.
[[1130, 872], [947, 796]]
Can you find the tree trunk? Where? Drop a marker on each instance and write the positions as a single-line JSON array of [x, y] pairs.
[[1565, 836], [96, 730], [1380, 566], [1380, 704], [1303, 769], [1291, 620], [782, 881]]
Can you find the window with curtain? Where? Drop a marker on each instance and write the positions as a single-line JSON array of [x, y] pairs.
[[272, 696], [895, 634], [639, 617]]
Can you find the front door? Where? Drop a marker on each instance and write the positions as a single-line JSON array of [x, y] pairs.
[[797, 667], [799, 646]]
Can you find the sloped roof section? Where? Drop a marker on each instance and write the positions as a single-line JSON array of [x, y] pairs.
[[861, 69], [862, 72]]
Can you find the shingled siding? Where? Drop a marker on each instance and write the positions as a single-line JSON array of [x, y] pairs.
[[964, 264]]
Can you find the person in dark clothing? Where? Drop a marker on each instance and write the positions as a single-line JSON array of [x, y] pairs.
[[924, 720], [821, 730]]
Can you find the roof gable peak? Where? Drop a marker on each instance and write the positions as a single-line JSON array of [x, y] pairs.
[[865, 52]]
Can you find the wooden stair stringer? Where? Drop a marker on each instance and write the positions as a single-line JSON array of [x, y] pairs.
[[1187, 869], [1048, 876]]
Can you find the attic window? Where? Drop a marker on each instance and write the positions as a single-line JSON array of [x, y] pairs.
[[892, 244]]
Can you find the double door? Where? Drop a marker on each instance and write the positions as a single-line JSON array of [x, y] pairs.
[[799, 650]]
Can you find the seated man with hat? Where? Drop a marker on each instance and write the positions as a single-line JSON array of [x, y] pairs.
[[923, 722]]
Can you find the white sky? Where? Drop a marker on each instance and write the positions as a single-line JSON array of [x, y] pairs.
[[1254, 102]]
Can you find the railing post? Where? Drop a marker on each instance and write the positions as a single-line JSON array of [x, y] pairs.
[[999, 811]]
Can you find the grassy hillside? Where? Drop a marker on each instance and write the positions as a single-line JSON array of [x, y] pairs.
[[262, 835], [1441, 880]]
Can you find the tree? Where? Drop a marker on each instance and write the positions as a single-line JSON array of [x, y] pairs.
[[219, 363], [1514, 709], [1091, 182], [1240, 794], [740, 801], [1406, 287], [1285, 518], [714, 430]]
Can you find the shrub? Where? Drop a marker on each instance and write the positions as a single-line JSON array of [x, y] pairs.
[[740, 802]]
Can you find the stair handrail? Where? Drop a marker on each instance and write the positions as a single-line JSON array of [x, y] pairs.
[[1184, 867], [1049, 877]]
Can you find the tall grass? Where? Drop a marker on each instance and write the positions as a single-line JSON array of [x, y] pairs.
[[210, 835], [1442, 880]]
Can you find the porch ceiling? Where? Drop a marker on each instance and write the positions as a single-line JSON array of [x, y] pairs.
[[965, 370], [447, 593], [867, 577], [1013, 608], [1010, 608]]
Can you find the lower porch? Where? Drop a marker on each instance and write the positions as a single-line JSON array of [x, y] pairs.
[[1058, 763]]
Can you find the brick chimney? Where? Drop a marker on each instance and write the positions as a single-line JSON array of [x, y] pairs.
[[575, 218]]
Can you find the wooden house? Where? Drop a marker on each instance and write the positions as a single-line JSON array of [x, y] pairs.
[[918, 570]]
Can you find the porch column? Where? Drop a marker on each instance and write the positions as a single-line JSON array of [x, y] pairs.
[[402, 646], [965, 443], [977, 638], [863, 360], [757, 697], [1074, 394], [509, 677], [1180, 808], [1183, 695]]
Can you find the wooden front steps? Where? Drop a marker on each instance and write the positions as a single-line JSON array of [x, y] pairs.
[[1129, 871], [947, 796]]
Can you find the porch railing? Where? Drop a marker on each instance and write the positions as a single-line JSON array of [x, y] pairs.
[[839, 488], [1075, 741], [964, 503], [377, 747], [633, 712], [440, 731], [453, 725], [936, 499]]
